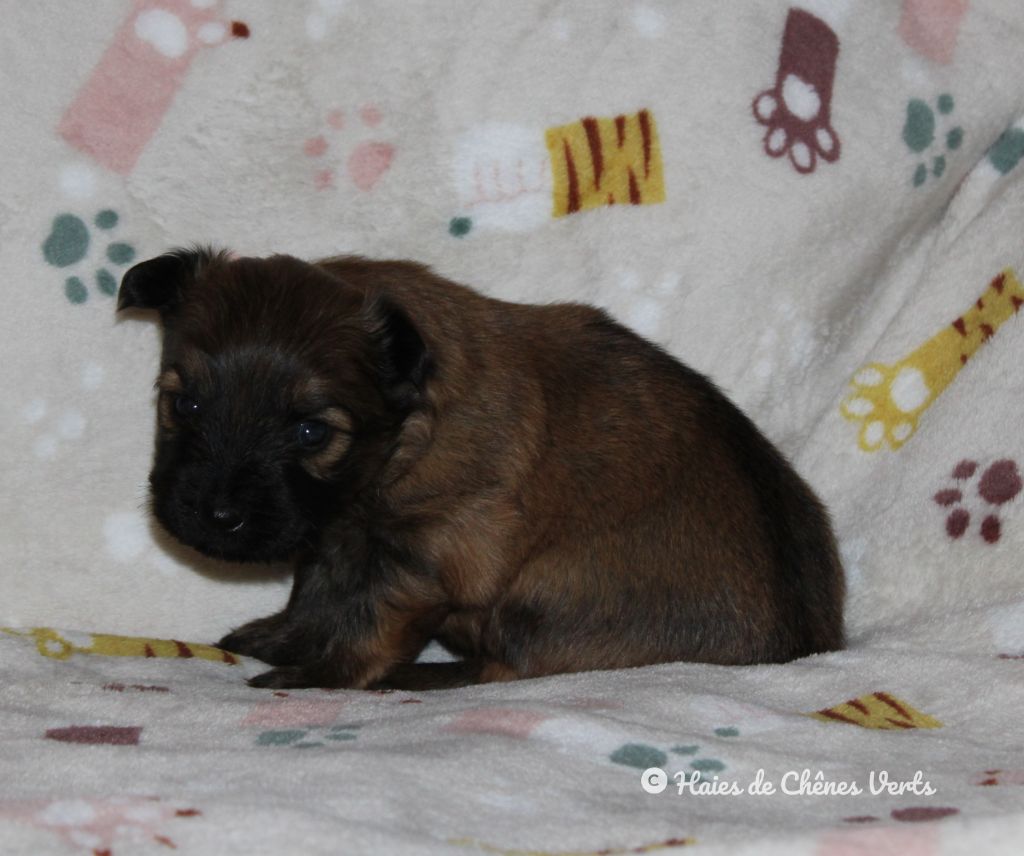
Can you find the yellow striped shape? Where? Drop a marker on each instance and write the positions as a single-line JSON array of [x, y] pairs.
[[888, 400], [877, 710], [597, 162], [51, 644], [611, 851]]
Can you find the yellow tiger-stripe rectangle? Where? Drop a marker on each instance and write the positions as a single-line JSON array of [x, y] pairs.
[[597, 162]]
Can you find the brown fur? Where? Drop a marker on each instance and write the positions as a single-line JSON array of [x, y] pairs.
[[535, 486]]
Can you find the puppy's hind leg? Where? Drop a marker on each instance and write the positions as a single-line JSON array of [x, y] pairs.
[[431, 676], [444, 676]]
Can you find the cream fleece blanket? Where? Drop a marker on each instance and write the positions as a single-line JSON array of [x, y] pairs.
[[819, 204]]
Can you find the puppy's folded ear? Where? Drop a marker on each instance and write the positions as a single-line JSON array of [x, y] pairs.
[[160, 283], [403, 360]]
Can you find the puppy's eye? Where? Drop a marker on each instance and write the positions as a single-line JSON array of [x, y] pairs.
[[312, 434], [185, 406]]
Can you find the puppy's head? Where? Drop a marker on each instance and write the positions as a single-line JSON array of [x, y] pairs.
[[282, 391]]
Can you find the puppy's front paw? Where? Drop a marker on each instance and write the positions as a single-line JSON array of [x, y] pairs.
[[266, 639]]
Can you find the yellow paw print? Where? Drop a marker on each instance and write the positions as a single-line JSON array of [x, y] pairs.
[[888, 400]]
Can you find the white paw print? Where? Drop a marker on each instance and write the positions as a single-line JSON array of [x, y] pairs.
[[887, 401], [129, 540], [648, 22], [1007, 626], [167, 33], [645, 305], [77, 180], [321, 16], [67, 424], [786, 345], [853, 552], [502, 178]]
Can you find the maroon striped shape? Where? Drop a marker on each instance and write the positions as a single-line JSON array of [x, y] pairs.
[[838, 717], [594, 141], [923, 814], [645, 131], [97, 735], [574, 183], [859, 705], [885, 698], [634, 190]]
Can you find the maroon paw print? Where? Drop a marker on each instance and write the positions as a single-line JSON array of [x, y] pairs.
[[998, 484], [797, 109]]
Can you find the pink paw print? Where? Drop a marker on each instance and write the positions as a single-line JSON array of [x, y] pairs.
[[998, 484], [930, 27], [797, 109], [367, 161]]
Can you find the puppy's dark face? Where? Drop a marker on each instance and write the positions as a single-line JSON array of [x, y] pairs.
[[281, 394]]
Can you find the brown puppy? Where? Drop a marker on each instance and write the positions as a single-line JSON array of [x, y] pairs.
[[536, 486]]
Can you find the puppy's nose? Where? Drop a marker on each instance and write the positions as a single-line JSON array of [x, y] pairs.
[[227, 519]]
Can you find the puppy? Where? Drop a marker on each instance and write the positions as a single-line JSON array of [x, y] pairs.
[[535, 486]]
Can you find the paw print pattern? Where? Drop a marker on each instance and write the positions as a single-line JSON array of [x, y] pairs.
[[52, 430], [502, 178], [643, 756], [919, 130], [998, 484], [67, 247], [1008, 150], [797, 110], [930, 27], [508, 722], [321, 17], [100, 824], [307, 738], [123, 102], [888, 400], [505, 180], [366, 163]]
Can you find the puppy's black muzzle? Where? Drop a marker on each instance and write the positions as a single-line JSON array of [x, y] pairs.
[[241, 518]]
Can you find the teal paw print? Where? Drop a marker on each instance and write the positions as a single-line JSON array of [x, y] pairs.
[[643, 756], [919, 132], [68, 245], [459, 227], [1008, 150], [307, 738]]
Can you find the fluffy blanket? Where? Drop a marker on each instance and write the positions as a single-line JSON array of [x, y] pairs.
[[818, 204]]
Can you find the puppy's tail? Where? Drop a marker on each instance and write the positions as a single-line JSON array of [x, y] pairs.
[[809, 584], [812, 586]]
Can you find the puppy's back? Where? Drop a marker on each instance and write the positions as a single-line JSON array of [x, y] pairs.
[[653, 520], [731, 536]]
